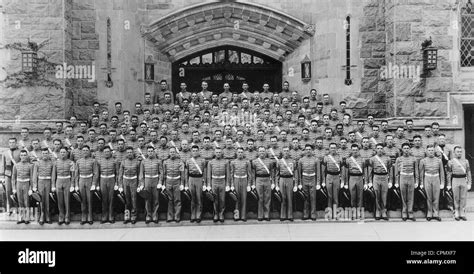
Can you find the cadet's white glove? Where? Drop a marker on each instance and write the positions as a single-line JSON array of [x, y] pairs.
[[323, 184], [365, 186], [2, 179], [232, 188], [140, 188], [421, 186], [441, 186], [248, 188], [208, 188], [448, 187], [277, 188], [273, 186], [295, 189], [346, 186], [253, 186], [53, 189], [227, 188], [181, 187], [30, 192], [389, 185], [342, 185], [318, 187], [35, 189], [186, 188], [71, 189], [14, 191], [300, 187], [115, 187], [370, 185], [416, 185], [396, 185], [120, 189], [159, 186], [469, 187], [203, 188], [92, 188]]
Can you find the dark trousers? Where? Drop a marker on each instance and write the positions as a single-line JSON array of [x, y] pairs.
[[407, 188], [218, 187], [62, 188], [380, 183], [333, 183], [356, 187], [130, 188], [174, 204], [152, 204], [86, 201], [195, 187], [240, 185], [107, 191], [23, 200], [432, 188], [286, 189], [44, 187], [264, 192], [309, 206]]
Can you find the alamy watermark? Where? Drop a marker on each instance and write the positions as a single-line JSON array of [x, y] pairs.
[[395, 71], [66, 71]]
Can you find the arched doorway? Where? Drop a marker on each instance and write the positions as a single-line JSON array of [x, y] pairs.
[[227, 64]]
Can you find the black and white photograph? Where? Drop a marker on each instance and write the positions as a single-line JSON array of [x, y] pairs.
[[346, 126]]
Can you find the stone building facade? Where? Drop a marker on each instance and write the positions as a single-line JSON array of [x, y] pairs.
[[118, 36]]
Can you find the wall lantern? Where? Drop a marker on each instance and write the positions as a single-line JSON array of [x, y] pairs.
[[149, 69], [306, 69], [29, 61], [430, 55]]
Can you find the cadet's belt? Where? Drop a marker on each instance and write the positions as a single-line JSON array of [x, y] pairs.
[[240, 177], [108, 176], [459, 176], [432, 175], [86, 176], [380, 174], [263, 175], [333, 173], [44, 177], [152, 176], [23, 180], [195, 175], [407, 174], [218, 177], [309, 174], [129, 178], [64, 177], [173, 178], [286, 176], [355, 174]]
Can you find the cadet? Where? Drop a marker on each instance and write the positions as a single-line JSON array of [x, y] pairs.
[[240, 172], [150, 172], [356, 175], [128, 175], [331, 175], [264, 181], [9, 159], [286, 177], [108, 168], [218, 177], [431, 177], [22, 177], [173, 180], [42, 171], [86, 176], [308, 174], [459, 175], [380, 177], [406, 175], [63, 169], [195, 170], [229, 150], [250, 151]]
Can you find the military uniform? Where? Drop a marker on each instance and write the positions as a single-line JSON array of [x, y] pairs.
[[332, 166], [418, 152], [229, 153], [240, 171], [150, 172], [173, 177], [356, 168], [163, 152], [264, 175], [460, 179], [62, 171], [128, 180], [308, 173], [196, 170], [250, 154], [286, 177], [9, 159], [86, 174], [406, 172], [22, 181], [42, 171], [379, 176], [432, 176], [218, 171], [108, 170], [207, 153]]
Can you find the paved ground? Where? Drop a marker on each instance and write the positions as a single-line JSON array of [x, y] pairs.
[[421, 230]]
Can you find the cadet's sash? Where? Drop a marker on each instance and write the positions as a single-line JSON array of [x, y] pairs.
[[459, 163], [263, 164], [380, 161], [357, 164], [286, 165], [334, 161], [197, 166], [10, 153]]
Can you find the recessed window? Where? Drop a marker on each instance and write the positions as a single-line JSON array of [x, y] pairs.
[[467, 35]]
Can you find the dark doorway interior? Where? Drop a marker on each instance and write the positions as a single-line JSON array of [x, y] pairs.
[[227, 64], [469, 134]]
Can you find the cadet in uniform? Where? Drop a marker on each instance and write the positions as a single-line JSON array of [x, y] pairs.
[[379, 176], [308, 174], [195, 170], [406, 175], [331, 175], [173, 176], [86, 174], [63, 169], [356, 176], [218, 176], [150, 180], [459, 176], [128, 181], [431, 177], [240, 172], [286, 177], [108, 169], [9, 159], [42, 171], [264, 180], [22, 177]]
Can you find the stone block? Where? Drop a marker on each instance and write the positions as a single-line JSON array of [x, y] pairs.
[[373, 37], [436, 17], [90, 36], [9, 112], [438, 84], [80, 44], [83, 15], [93, 44], [86, 55], [369, 84], [443, 41], [367, 24], [374, 63], [407, 13], [88, 27], [403, 31]]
